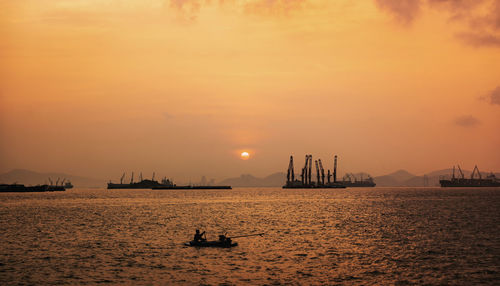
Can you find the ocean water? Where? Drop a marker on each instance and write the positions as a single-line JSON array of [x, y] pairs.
[[361, 236]]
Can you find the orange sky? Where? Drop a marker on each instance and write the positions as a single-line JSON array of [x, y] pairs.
[[180, 87]]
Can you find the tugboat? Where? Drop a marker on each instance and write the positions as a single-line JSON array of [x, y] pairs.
[[475, 180]]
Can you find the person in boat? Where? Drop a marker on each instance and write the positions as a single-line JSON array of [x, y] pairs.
[[224, 239], [199, 236]]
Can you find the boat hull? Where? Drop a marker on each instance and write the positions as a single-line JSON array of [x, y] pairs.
[[191, 187], [468, 183], [17, 188], [219, 244], [359, 184], [326, 186]]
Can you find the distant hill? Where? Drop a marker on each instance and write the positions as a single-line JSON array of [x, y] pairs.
[[246, 180], [395, 179], [27, 177]]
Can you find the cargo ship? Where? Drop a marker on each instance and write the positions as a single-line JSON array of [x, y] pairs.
[[305, 181], [19, 188], [142, 184], [476, 180], [165, 184], [350, 181]]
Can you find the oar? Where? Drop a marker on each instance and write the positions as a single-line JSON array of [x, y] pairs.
[[247, 235]]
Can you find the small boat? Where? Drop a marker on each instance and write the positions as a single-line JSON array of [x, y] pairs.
[[215, 243]]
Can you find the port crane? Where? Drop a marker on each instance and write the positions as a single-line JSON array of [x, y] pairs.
[[310, 169], [304, 171], [461, 173], [317, 172], [322, 172], [290, 176], [121, 179], [475, 171]]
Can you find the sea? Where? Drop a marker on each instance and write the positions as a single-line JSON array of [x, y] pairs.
[[353, 236]]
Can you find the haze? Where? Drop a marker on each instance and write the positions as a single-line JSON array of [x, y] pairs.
[[97, 88]]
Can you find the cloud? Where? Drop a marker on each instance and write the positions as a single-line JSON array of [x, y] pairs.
[[480, 19], [405, 11], [189, 9], [495, 96], [167, 115], [467, 121], [480, 39], [280, 7]]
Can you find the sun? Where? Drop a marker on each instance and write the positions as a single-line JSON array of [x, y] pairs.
[[245, 155]]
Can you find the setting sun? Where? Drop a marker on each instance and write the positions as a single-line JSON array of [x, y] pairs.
[[245, 155]]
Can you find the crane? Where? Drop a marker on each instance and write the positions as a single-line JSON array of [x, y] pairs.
[[51, 183], [121, 179], [57, 181], [140, 177], [347, 178], [476, 170], [290, 176], [335, 169], [317, 173], [460, 170], [322, 172], [153, 178], [329, 175], [132, 178], [310, 168], [304, 171]]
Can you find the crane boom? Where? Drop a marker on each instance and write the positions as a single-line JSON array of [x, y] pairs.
[[310, 168], [322, 171], [306, 169], [460, 170], [290, 176], [317, 172], [335, 169], [476, 170]]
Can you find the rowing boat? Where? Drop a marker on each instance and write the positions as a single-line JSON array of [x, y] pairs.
[[215, 243]]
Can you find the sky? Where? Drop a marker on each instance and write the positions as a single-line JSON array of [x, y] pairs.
[[183, 87]]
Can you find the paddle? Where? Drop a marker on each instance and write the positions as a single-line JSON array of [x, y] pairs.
[[247, 235]]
